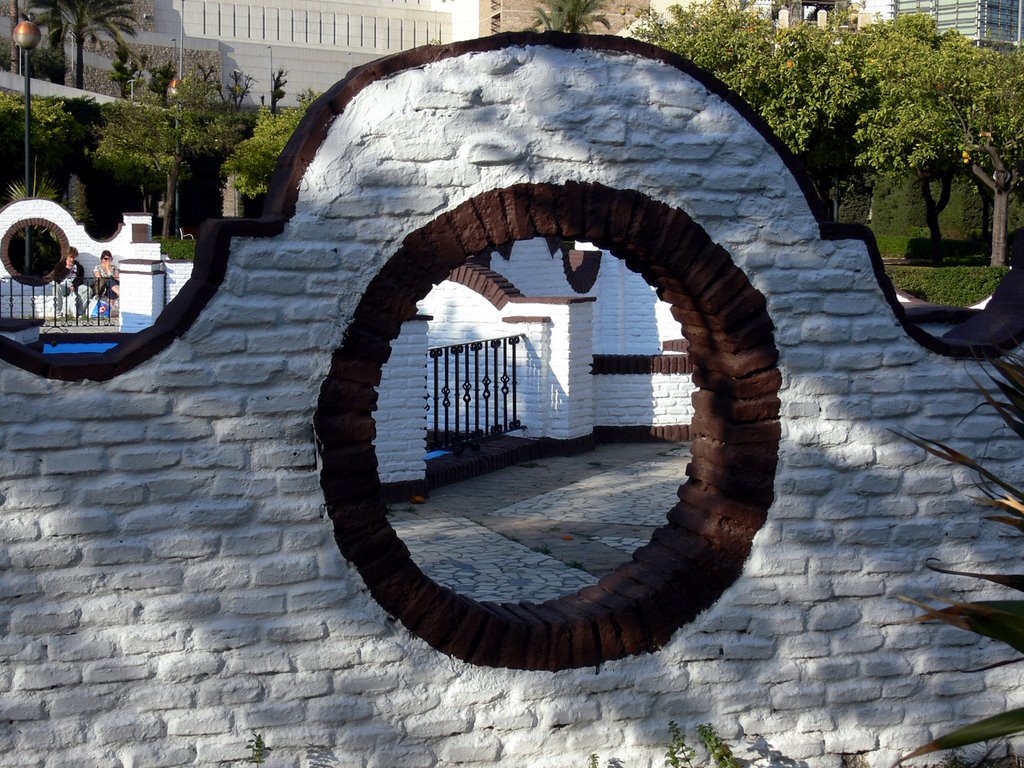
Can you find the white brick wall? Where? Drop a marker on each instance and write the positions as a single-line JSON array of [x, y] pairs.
[[168, 583], [647, 400], [628, 317], [89, 250], [177, 274], [401, 420]]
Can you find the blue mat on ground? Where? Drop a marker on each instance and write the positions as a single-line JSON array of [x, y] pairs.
[[78, 348]]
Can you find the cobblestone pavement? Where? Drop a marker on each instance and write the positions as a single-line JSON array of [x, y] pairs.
[[543, 528]]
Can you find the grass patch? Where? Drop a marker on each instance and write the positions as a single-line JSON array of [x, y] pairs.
[[954, 252]]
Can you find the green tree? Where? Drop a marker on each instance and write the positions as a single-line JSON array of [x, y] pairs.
[[805, 81], [85, 21], [160, 81], [145, 142], [238, 88], [576, 16], [128, 69], [277, 91], [985, 90], [253, 161], [55, 135], [909, 129]]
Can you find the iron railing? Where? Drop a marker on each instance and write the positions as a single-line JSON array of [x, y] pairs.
[[474, 392], [56, 304]]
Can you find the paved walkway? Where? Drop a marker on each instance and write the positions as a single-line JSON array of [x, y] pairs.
[[543, 528]]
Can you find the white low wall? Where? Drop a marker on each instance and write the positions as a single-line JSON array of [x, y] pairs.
[[643, 400]]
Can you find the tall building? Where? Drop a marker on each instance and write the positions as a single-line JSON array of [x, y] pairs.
[[316, 42], [989, 22]]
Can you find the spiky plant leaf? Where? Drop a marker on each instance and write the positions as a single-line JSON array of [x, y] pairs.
[[1001, 620], [1014, 581], [1005, 724]]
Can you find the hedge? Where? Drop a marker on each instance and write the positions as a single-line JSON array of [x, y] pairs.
[[920, 249], [179, 250], [955, 286]]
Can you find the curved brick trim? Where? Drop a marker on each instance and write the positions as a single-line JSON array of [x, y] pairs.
[[701, 548], [494, 287], [675, 345], [612, 365], [581, 268], [14, 229]]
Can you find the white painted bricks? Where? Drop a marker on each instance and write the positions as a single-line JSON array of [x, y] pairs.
[[401, 419], [174, 540]]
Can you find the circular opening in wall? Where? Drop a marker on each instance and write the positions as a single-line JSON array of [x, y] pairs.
[[490, 358], [706, 535], [32, 251]]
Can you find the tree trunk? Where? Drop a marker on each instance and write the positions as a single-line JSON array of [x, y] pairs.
[[13, 10], [933, 207], [79, 63], [1000, 182], [172, 185], [1000, 221]]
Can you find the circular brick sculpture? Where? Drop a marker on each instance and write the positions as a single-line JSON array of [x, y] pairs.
[[694, 556]]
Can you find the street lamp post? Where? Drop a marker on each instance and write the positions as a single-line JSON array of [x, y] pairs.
[[273, 106], [181, 42], [172, 91], [26, 37]]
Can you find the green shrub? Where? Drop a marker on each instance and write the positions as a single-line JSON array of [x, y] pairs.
[[179, 250], [920, 249], [955, 286]]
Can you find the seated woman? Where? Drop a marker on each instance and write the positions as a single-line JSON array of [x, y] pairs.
[[108, 282]]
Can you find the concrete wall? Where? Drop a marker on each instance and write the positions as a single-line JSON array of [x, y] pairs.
[[170, 584]]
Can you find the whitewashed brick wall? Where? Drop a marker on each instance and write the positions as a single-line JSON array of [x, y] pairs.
[[168, 584], [89, 250], [628, 318], [652, 399], [401, 419], [177, 274]]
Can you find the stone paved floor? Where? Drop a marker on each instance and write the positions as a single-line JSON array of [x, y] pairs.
[[543, 528]]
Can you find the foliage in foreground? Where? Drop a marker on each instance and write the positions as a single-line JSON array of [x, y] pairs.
[[953, 286], [682, 755], [1001, 620]]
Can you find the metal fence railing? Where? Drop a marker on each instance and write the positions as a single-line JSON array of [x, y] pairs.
[[473, 393], [57, 304]]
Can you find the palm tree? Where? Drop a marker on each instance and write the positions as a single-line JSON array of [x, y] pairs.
[[574, 16], [86, 20]]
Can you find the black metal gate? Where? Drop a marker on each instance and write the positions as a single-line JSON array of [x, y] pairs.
[[474, 392]]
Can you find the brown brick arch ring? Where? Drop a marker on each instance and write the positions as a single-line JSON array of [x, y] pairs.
[[13, 230], [990, 333], [706, 539], [491, 285]]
